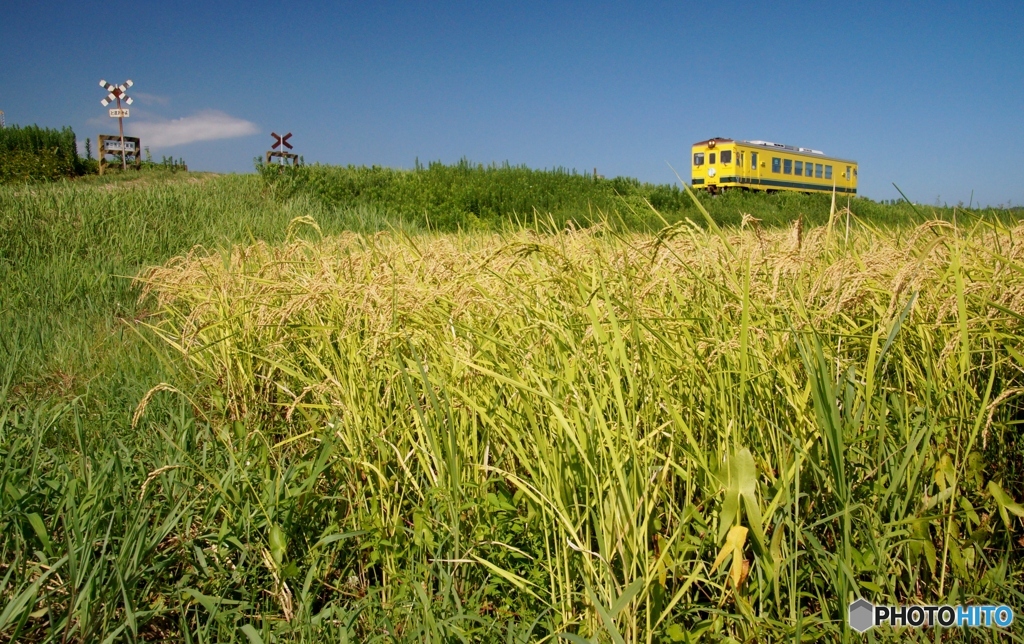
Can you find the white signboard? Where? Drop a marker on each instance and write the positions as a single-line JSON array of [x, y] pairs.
[[115, 113], [115, 146]]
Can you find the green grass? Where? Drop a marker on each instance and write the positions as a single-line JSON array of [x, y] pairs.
[[472, 197], [478, 436]]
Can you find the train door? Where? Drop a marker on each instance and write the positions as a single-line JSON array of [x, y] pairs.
[[713, 169]]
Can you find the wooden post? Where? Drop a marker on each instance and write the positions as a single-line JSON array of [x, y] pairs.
[[287, 158]]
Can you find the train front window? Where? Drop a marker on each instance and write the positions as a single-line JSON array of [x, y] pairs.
[[753, 160], [711, 158], [698, 158], [828, 172], [817, 170], [787, 166], [726, 156], [776, 164], [799, 170]]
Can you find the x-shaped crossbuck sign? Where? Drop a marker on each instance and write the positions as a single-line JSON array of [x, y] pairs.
[[116, 92], [281, 140]]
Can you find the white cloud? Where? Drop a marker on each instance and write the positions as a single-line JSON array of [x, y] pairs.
[[150, 99], [207, 125]]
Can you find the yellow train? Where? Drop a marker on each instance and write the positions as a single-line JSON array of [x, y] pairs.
[[724, 164]]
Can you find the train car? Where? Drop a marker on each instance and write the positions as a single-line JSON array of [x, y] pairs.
[[724, 164]]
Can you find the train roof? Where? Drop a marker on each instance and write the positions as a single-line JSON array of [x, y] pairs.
[[768, 145]]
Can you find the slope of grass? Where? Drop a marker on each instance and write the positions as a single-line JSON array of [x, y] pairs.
[[470, 197], [68, 249], [415, 436]]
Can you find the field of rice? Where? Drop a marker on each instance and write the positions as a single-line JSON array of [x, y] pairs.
[[554, 431]]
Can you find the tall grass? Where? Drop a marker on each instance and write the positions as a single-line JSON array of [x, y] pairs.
[[68, 253], [474, 197], [512, 436], [634, 438]]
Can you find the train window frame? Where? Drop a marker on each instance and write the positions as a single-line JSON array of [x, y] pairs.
[[787, 166], [753, 160], [726, 157], [817, 170], [798, 168], [828, 172], [776, 165], [711, 158], [698, 158], [739, 158]]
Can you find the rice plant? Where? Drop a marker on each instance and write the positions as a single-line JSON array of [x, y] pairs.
[[310, 421], [630, 437]]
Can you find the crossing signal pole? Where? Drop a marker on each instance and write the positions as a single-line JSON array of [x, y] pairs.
[[116, 93]]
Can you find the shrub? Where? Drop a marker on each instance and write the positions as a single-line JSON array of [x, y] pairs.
[[33, 152]]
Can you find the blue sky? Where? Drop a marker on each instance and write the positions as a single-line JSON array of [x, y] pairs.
[[928, 95]]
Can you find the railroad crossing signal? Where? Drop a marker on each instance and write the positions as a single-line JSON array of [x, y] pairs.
[[281, 140], [115, 94]]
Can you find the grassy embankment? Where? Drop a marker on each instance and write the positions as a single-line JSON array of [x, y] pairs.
[[418, 434]]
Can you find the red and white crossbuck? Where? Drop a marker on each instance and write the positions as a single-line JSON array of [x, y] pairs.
[[117, 92]]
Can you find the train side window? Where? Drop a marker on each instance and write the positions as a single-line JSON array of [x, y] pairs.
[[753, 160], [776, 165], [817, 170], [711, 158], [849, 174], [799, 169], [828, 172], [726, 156], [787, 166], [698, 158], [739, 158]]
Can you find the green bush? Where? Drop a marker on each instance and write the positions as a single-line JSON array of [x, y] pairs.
[[33, 152]]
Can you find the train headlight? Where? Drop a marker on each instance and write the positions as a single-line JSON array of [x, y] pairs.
[[711, 172]]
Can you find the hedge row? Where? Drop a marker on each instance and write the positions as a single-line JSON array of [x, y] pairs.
[[33, 152]]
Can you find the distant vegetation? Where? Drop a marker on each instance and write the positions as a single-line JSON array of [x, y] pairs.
[[33, 152], [467, 196], [330, 420]]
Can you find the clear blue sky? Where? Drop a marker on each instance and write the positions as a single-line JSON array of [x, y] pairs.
[[929, 95]]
